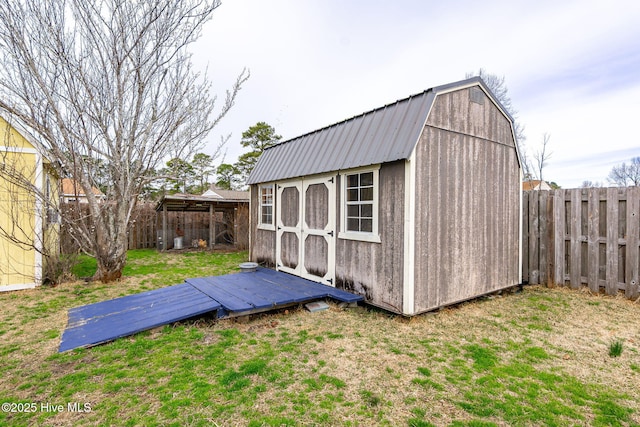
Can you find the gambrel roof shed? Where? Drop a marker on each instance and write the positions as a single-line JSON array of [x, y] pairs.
[[414, 205]]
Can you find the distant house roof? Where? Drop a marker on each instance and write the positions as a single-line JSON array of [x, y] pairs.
[[219, 193], [535, 184], [71, 188], [381, 135]]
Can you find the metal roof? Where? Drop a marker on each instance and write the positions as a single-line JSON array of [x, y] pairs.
[[192, 203], [381, 135]]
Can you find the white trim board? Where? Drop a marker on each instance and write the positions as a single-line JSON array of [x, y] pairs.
[[24, 150], [17, 287], [408, 280]]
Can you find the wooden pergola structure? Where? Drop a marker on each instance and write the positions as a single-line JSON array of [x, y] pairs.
[[204, 213]]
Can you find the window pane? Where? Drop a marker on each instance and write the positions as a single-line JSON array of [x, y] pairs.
[[266, 194], [353, 211], [366, 225], [367, 210], [366, 179], [352, 195], [366, 194], [352, 180], [353, 224], [267, 215]]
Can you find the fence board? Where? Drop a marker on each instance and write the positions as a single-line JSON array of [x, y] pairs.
[[632, 240], [583, 237], [525, 235], [593, 239], [559, 233], [575, 276], [146, 226], [543, 236], [612, 241], [534, 237]]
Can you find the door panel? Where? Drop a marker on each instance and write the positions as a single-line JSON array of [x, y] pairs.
[[316, 260], [290, 204], [305, 236], [289, 227], [317, 197], [289, 250], [318, 233]]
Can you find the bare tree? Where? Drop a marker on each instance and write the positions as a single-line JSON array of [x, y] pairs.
[[109, 81], [542, 156], [626, 175], [591, 184]]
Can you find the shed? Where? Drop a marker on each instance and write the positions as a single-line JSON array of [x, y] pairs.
[[216, 217], [414, 205], [29, 221]]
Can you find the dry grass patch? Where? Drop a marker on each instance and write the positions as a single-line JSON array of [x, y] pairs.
[[539, 357]]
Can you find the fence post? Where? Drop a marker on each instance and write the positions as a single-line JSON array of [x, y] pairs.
[[632, 288], [165, 244]]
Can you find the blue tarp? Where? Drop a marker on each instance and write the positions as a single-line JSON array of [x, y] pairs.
[[232, 294]]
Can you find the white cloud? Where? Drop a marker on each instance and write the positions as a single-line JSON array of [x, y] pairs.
[[571, 67]]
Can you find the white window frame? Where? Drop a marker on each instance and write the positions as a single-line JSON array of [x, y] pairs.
[[265, 225], [364, 236]]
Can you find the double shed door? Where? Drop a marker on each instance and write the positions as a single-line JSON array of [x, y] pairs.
[[305, 228]]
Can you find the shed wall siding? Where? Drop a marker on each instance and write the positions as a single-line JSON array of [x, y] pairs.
[[263, 242], [375, 270], [20, 211], [467, 203]]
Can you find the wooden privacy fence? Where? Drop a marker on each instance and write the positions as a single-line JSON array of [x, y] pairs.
[[144, 227], [584, 236]]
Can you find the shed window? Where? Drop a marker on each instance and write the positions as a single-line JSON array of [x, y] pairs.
[[360, 205], [266, 204], [360, 202]]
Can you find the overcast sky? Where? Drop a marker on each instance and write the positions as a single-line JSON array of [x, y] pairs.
[[572, 67]]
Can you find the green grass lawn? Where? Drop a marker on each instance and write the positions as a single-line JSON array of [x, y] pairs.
[[540, 357]]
